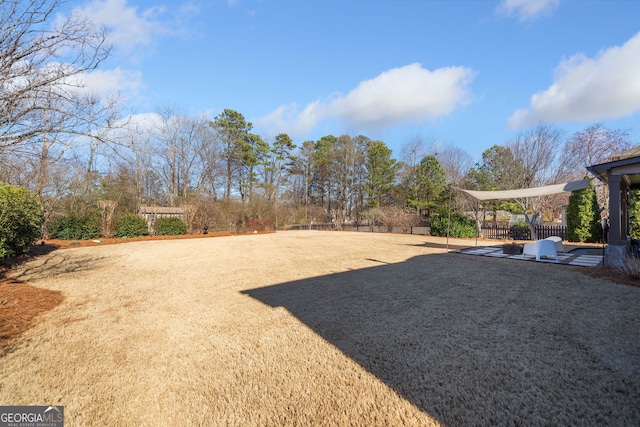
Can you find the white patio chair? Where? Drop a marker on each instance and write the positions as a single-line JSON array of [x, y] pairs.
[[540, 248], [558, 242]]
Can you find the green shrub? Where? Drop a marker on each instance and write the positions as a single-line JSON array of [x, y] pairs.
[[132, 225], [74, 227], [20, 220], [170, 226], [634, 214], [583, 216], [460, 225]]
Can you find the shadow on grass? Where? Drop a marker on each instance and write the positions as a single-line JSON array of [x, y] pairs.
[[35, 251], [471, 350]]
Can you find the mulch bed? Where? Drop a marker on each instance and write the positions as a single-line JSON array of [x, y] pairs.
[[20, 304]]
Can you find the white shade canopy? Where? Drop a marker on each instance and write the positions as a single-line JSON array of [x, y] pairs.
[[523, 193]]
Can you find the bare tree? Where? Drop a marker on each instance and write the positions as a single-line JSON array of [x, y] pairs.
[[41, 61], [44, 153], [539, 148], [538, 151], [44, 109], [189, 214], [134, 160], [347, 157], [456, 163], [107, 211], [302, 173], [209, 162], [595, 144], [412, 151], [177, 142]]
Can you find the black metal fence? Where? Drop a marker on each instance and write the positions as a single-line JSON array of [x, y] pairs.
[[365, 228], [523, 233], [500, 232]]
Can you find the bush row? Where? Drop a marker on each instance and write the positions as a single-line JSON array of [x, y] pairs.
[[127, 225], [21, 219]]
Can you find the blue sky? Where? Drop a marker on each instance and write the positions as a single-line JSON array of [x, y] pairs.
[[468, 74]]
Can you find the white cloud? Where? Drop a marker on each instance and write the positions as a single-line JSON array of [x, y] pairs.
[[287, 119], [526, 10], [129, 27], [145, 123], [586, 89], [126, 82], [399, 95], [104, 83]]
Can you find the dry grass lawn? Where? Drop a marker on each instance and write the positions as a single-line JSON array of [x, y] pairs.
[[321, 328]]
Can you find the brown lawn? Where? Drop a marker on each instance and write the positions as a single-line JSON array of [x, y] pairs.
[[316, 328], [22, 303]]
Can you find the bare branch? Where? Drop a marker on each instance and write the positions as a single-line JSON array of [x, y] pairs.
[[40, 65]]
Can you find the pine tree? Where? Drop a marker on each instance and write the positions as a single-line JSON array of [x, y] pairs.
[[430, 185], [380, 172]]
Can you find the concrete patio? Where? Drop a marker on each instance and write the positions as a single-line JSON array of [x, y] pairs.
[[584, 257]]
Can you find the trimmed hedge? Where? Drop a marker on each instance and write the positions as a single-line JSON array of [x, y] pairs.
[[170, 226], [20, 220], [132, 225], [74, 227]]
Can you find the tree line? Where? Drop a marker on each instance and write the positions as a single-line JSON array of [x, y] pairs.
[[82, 156]]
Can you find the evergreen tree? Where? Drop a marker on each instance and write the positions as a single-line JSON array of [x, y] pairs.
[[430, 184], [233, 130], [254, 153], [499, 170], [381, 172], [634, 214], [280, 164], [322, 171], [583, 216]]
